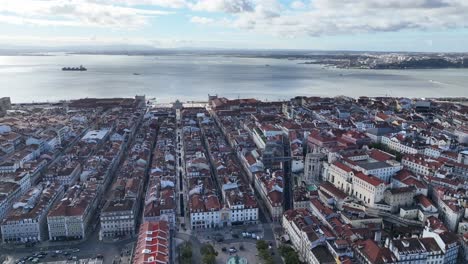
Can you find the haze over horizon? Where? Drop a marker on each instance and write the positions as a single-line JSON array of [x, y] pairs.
[[367, 25]]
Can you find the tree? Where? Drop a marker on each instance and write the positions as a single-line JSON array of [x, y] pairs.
[[263, 252], [209, 259], [208, 254], [291, 258], [289, 254], [262, 245], [186, 253], [208, 249]]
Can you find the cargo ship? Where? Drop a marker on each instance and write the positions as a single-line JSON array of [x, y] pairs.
[[81, 68]]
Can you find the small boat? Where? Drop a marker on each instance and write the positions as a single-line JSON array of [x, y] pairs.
[[135, 73], [81, 68]]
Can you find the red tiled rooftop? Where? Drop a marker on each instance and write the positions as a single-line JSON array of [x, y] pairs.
[[320, 207], [376, 254], [328, 186], [424, 201], [276, 197], [342, 166], [369, 179], [402, 174], [414, 182], [153, 243], [380, 155], [435, 224]]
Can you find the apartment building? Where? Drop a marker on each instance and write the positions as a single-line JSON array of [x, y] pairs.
[[153, 244], [27, 221], [302, 228], [72, 217]]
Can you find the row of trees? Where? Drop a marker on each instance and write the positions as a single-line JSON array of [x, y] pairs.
[[209, 254], [289, 255], [263, 252]]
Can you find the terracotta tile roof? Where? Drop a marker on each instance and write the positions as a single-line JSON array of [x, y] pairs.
[[321, 208], [250, 159], [382, 116], [369, 179], [436, 224], [380, 155], [424, 201], [212, 203], [196, 203], [276, 197], [330, 188], [423, 161], [153, 243], [403, 174], [342, 166], [414, 182], [376, 254]]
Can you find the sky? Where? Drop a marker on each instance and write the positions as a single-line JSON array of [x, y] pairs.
[[374, 25]]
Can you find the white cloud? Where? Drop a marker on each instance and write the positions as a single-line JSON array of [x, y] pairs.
[[227, 6], [74, 13], [161, 3], [201, 20], [301, 17], [332, 17], [298, 5], [38, 22]]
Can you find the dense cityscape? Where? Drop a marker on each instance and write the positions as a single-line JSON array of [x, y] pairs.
[[233, 132], [383, 60], [308, 180]]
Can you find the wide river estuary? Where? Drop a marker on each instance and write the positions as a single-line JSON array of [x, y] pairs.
[[193, 77]]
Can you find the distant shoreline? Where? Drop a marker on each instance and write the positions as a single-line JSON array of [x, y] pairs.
[[339, 60], [456, 99]]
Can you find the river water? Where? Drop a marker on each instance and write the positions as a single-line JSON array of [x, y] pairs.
[[193, 77]]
